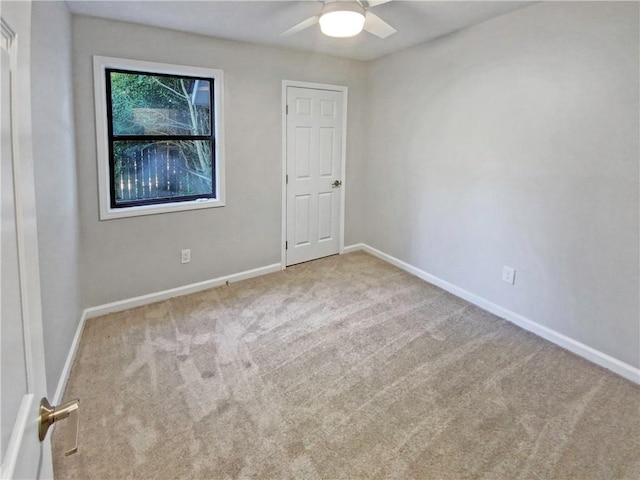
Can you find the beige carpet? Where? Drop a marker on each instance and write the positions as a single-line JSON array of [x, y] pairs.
[[344, 367]]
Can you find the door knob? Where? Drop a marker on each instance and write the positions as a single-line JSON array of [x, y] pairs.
[[336, 184], [49, 415]]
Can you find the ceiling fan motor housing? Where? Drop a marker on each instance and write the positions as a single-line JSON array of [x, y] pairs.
[[329, 7]]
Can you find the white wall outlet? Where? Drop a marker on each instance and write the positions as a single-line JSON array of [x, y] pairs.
[[509, 275], [185, 256]]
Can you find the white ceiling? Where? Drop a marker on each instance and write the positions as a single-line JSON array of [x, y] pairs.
[[262, 21]]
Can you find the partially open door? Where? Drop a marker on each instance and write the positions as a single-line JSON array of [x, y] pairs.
[[22, 455]]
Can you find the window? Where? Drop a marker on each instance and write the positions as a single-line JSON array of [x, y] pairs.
[[159, 137]]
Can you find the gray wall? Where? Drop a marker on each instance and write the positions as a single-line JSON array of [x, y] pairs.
[[55, 180], [515, 143], [128, 257]]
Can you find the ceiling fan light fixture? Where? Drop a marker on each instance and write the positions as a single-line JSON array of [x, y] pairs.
[[342, 19]]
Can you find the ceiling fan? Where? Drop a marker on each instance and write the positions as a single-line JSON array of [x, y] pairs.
[[346, 19]]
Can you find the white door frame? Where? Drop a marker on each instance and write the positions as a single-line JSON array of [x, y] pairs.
[[23, 447], [314, 86]]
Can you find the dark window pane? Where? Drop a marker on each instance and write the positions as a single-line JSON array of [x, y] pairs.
[[145, 104], [149, 171]]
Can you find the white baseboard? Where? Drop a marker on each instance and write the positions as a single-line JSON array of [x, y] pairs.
[[146, 300], [599, 358], [66, 370], [354, 248], [175, 292]]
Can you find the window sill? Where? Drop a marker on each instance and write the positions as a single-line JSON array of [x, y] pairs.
[[113, 213]]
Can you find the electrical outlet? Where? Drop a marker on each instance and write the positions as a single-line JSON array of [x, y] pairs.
[[185, 256], [509, 275]]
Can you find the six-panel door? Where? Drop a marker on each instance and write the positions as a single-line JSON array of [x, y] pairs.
[[314, 164]]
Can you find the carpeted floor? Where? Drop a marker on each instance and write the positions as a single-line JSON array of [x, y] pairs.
[[344, 367]]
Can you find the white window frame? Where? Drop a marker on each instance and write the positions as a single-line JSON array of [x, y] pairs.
[[100, 64]]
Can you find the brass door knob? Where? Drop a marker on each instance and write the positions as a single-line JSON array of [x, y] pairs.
[[336, 184], [49, 415]]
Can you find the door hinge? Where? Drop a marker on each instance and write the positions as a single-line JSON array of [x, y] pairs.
[[286, 245], [287, 109], [287, 179]]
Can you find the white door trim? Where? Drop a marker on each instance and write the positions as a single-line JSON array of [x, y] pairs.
[[314, 86], [17, 435]]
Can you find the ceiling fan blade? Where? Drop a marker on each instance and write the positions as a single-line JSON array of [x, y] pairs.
[[309, 22], [375, 25], [375, 3]]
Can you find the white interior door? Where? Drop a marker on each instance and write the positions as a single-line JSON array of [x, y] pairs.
[[22, 455], [314, 169]]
